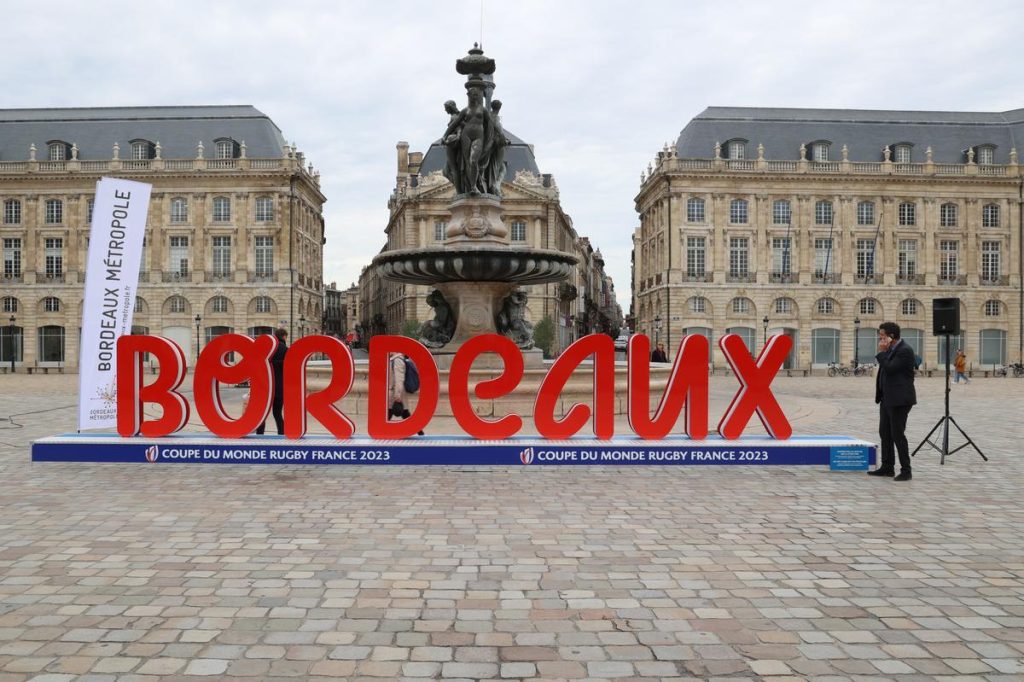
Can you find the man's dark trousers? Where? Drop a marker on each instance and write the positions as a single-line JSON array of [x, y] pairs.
[[278, 410], [892, 427]]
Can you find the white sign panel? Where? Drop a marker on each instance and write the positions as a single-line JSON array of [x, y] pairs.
[[111, 280]]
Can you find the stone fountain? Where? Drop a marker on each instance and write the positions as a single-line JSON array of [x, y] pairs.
[[476, 272]]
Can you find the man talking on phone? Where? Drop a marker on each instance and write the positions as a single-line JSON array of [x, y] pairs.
[[895, 395]]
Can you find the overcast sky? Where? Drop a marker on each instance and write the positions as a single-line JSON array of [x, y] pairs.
[[597, 87]]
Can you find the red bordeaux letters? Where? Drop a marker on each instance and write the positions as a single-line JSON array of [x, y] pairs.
[[687, 388]]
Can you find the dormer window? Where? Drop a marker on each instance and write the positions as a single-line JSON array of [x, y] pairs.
[[986, 155], [736, 149], [901, 153], [226, 148], [820, 150], [58, 150], [143, 150]]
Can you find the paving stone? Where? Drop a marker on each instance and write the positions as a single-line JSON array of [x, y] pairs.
[[474, 573]]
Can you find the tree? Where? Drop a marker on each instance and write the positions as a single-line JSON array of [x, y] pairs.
[[411, 328], [544, 335]]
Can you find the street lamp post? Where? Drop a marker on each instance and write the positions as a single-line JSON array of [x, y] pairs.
[[856, 341], [302, 326], [198, 321], [765, 322], [657, 330], [13, 349]]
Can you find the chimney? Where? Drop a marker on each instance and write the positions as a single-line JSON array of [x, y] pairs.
[[403, 157]]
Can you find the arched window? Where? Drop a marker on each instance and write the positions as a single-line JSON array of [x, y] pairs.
[[738, 211], [901, 153], [868, 306], [9, 305], [143, 150], [57, 150], [990, 215], [826, 306], [736, 149], [910, 306], [948, 215], [820, 150], [263, 304], [784, 306], [177, 304], [51, 304], [221, 209], [140, 305], [993, 308], [698, 305], [823, 213], [742, 306], [694, 210], [219, 304], [986, 154], [782, 212], [225, 148], [179, 210]]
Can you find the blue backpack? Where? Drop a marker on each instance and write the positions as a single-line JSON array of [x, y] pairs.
[[412, 377]]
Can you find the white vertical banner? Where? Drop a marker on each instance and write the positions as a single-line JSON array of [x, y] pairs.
[[111, 280]]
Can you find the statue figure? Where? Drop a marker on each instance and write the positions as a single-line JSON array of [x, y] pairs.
[[497, 170], [437, 332], [475, 128], [452, 144], [511, 323]]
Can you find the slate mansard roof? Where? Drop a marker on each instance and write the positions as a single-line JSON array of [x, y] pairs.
[[865, 132], [177, 129], [518, 155]]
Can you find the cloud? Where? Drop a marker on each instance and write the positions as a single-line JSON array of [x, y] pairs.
[[597, 87]]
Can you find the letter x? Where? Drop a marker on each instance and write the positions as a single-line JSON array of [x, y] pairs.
[[755, 394]]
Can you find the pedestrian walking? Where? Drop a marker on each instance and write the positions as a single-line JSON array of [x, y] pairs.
[[277, 366], [396, 388], [960, 365]]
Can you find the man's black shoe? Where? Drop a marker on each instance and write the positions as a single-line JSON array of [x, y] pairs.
[[882, 472], [904, 476]]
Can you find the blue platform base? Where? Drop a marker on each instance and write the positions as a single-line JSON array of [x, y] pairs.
[[835, 452]]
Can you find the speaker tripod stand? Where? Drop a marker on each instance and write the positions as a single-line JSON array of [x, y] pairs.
[[944, 421]]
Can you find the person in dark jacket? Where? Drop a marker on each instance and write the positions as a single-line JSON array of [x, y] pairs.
[[895, 395], [277, 366], [659, 354]]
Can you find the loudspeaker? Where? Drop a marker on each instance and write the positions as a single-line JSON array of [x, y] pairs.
[[945, 316]]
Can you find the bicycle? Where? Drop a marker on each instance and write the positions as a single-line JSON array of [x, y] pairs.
[[835, 369], [1018, 369], [863, 370]]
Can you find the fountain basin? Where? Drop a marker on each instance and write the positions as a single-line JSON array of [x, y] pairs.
[[519, 266]]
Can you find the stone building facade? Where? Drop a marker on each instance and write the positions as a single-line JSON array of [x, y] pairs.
[[234, 235], [821, 224], [534, 217]]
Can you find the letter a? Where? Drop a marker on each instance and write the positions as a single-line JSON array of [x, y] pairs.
[[602, 348], [755, 394]]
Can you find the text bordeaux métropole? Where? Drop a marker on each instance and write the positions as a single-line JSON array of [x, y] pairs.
[[113, 264]]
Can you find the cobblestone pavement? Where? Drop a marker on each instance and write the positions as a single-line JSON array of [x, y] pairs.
[[281, 572]]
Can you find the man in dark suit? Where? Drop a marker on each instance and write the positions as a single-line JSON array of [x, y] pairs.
[[277, 366], [895, 395]]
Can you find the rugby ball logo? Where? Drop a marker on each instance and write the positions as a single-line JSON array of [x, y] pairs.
[[526, 456], [152, 452]]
